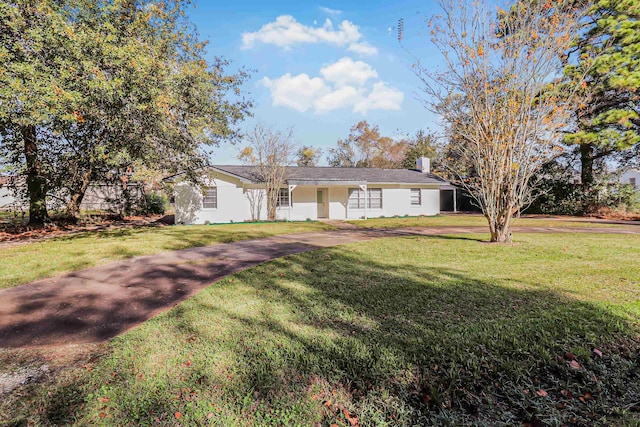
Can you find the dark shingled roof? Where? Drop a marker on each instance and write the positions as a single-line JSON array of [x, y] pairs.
[[365, 175]]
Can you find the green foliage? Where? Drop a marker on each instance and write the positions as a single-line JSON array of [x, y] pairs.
[[556, 193], [155, 204], [422, 145], [365, 147], [606, 69], [109, 85], [308, 156]]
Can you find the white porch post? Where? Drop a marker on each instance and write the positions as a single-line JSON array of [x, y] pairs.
[[455, 201], [291, 187], [366, 199]]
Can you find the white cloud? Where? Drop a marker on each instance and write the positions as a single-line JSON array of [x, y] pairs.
[[343, 85], [342, 97], [286, 32], [347, 71], [297, 92], [363, 48], [381, 97], [329, 11]]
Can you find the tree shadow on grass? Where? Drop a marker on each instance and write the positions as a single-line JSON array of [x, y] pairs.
[[399, 344], [480, 351]]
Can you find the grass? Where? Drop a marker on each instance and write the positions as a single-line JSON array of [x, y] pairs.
[[462, 220], [25, 263], [404, 331]]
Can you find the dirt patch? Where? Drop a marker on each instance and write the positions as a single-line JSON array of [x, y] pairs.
[[614, 214]]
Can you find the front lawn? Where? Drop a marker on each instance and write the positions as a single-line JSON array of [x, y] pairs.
[[403, 331], [31, 261], [477, 220]]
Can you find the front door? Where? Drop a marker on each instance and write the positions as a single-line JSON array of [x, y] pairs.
[[321, 199]]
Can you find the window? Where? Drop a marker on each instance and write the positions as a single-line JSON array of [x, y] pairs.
[[632, 181], [356, 198], [210, 199], [416, 197], [283, 198]]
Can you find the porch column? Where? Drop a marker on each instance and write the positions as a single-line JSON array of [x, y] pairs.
[[291, 187], [455, 201], [366, 199]]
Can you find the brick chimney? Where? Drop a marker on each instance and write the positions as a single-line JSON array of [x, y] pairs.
[[423, 164]]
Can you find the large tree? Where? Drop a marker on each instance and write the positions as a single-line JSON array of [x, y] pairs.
[[126, 83], [308, 156], [605, 63], [365, 147], [500, 98], [423, 144], [35, 53]]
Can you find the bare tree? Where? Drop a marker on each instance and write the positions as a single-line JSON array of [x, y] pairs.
[[500, 97], [256, 199], [270, 151]]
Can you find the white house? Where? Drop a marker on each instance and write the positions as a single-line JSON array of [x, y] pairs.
[[7, 194], [236, 194], [632, 177]]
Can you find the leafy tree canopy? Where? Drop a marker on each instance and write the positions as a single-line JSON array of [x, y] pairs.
[[365, 147], [606, 64], [90, 87]]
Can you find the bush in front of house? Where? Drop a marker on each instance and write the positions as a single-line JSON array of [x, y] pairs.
[[154, 204]]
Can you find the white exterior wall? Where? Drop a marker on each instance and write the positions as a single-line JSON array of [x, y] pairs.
[[7, 197], [234, 206], [304, 205], [625, 178], [338, 202], [397, 201]]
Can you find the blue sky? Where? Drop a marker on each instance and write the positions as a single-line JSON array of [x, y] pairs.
[[322, 67]]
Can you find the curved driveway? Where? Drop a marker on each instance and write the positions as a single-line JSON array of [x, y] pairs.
[[99, 303]]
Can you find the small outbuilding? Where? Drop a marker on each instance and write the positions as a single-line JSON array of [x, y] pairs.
[[235, 194]]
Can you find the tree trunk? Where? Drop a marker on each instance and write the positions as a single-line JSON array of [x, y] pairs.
[[500, 229], [272, 204], [586, 175], [586, 162], [73, 207], [35, 182]]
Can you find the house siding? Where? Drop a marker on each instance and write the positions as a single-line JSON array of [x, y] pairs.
[[633, 173], [233, 203], [234, 206], [7, 198], [397, 201], [338, 202], [304, 205]]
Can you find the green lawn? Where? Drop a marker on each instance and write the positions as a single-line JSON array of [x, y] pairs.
[[404, 331], [32, 261], [462, 220]]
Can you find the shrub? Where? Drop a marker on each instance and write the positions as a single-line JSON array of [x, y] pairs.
[[154, 204]]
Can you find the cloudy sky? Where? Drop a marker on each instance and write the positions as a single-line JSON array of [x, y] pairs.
[[322, 67]]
